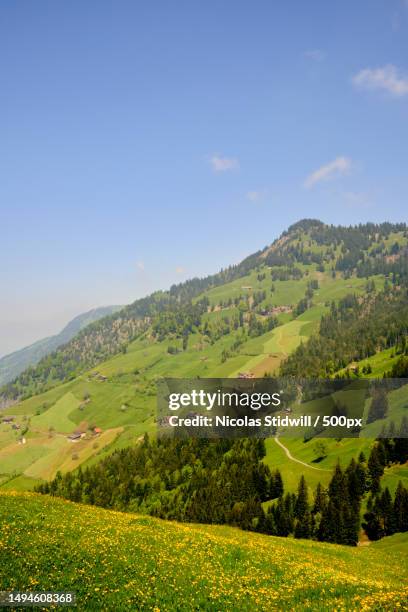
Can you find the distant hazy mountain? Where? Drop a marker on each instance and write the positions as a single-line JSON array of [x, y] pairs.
[[13, 364]]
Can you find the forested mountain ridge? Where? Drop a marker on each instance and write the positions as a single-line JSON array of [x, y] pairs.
[[361, 251], [354, 330], [13, 364], [81, 406]]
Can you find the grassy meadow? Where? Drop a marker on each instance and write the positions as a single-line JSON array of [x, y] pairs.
[[117, 561]]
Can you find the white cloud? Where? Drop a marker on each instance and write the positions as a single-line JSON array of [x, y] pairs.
[[338, 167], [388, 78], [180, 270], [140, 265], [223, 164], [316, 55], [256, 196]]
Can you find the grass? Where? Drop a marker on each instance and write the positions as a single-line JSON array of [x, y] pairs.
[[290, 470], [57, 416], [342, 451], [16, 458], [20, 483], [116, 561], [380, 363], [124, 405]]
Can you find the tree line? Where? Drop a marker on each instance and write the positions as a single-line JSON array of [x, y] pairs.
[[355, 328], [227, 482]]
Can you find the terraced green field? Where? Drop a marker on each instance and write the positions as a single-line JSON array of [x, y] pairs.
[[123, 405]]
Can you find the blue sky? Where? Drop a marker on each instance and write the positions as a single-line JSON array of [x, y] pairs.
[[142, 143]]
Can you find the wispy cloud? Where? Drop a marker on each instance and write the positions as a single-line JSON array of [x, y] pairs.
[[388, 78], [223, 164], [399, 15], [256, 196], [338, 167], [140, 265], [317, 55]]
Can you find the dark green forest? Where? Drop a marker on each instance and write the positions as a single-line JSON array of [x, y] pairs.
[[354, 329], [226, 482]]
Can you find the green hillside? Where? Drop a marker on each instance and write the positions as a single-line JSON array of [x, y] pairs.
[[248, 318], [13, 364], [120, 561], [303, 270]]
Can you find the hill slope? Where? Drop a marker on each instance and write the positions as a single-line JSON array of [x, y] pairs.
[[127, 562], [249, 323], [13, 364], [350, 253]]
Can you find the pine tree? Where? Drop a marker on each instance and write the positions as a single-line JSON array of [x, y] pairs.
[[276, 485], [401, 442], [283, 517], [387, 512], [320, 500], [400, 508], [301, 511], [361, 457], [302, 502], [375, 470], [303, 526], [269, 524], [372, 523], [378, 407]]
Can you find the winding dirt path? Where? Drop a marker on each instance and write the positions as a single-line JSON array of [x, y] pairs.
[[292, 458]]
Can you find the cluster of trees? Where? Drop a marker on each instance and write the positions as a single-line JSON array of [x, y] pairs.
[[251, 325], [353, 242], [92, 345], [397, 270], [387, 451], [400, 368], [286, 273], [306, 302], [332, 516], [257, 326], [353, 330], [226, 481], [379, 405], [386, 515], [334, 513], [352, 237], [227, 303], [197, 480], [178, 320], [258, 297]]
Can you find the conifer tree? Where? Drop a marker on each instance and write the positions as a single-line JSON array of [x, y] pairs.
[[302, 512], [375, 470], [401, 508], [378, 407]]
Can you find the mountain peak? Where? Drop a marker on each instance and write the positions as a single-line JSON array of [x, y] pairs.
[[305, 224]]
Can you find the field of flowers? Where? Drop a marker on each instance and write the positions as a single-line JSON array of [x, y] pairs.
[[117, 561]]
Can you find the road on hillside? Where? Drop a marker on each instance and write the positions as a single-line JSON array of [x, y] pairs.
[[292, 458]]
